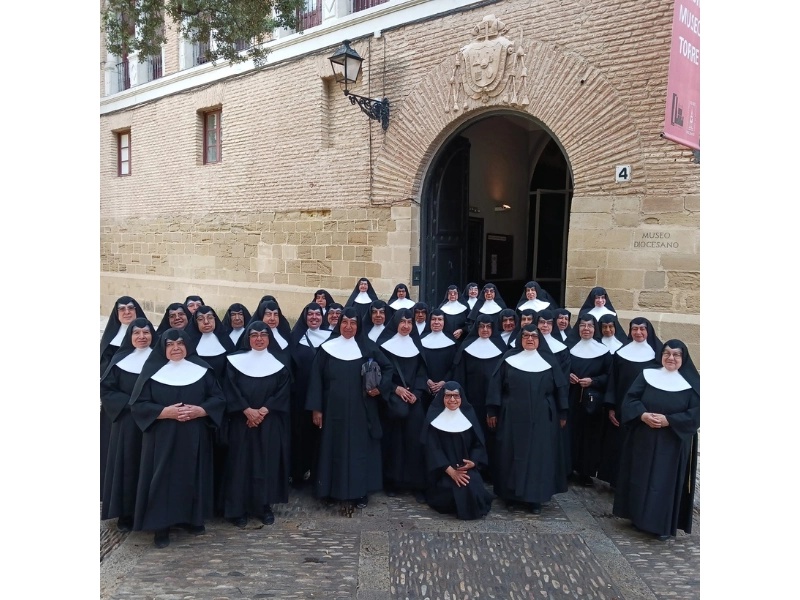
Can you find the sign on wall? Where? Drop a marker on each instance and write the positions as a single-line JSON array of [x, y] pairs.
[[682, 120]]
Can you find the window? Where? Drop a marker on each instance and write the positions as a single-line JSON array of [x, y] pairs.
[[124, 153], [310, 15], [212, 137], [359, 5]]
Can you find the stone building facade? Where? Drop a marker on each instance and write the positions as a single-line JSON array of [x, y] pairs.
[[311, 194]]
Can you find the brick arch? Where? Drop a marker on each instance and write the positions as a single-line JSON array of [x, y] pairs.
[[588, 120]]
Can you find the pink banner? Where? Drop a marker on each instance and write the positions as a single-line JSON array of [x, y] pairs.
[[682, 122]]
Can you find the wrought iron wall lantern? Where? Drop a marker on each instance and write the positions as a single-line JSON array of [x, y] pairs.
[[346, 64]]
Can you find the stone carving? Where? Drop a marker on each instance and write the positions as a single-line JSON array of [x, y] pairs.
[[485, 72]]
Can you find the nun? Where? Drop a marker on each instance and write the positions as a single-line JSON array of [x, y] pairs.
[[535, 298], [269, 311], [235, 320], [332, 316], [307, 336], [454, 449], [176, 402], [598, 303], [363, 295], [440, 349], [627, 364], [474, 364], [489, 303], [457, 310], [470, 294], [193, 303], [528, 400], [400, 298], [125, 445], [212, 342], [374, 321], [403, 460], [612, 334], [257, 384], [323, 299], [563, 317], [590, 362], [658, 469], [544, 322], [509, 323], [176, 316], [349, 460], [421, 318], [125, 310]]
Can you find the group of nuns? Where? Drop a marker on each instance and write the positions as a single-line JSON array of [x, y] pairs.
[[203, 416]]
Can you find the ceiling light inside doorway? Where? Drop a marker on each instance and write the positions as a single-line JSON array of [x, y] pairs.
[[503, 208]]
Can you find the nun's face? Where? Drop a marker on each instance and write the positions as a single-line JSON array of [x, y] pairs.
[[420, 316], [313, 319], [401, 293], [437, 322], [639, 332], [530, 341], [508, 323], [525, 320], [193, 305], [205, 322], [562, 322], [259, 340], [672, 359], [178, 319], [126, 313], [378, 316], [472, 292], [485, 330], [404, 326], [237, 319], [272, 318], [452, 399], [586, 329], [333, 317], [530, 293], [452, 295], [320, 299], [363, 286], [599, 301], [546, 326], [348, 328], [608, 329], [142, 337], [176, 349], [488, 294]]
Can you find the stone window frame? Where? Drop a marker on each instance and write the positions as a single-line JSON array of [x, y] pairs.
[[204, 115], [120, 134]]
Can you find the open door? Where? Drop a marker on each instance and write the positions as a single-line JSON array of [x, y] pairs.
[[444, 227]]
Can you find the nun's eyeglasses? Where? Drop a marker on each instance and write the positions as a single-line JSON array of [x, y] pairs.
[[586, 326], [452, 395], [259, 334], [529, 336], [484, 326]]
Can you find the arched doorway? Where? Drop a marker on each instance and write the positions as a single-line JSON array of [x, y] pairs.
[[495, 207]]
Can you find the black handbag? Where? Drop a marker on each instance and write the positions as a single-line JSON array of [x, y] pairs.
[[591, 402], [371, 375]]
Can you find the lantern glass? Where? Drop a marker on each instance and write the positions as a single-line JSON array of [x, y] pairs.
[[346, 64]]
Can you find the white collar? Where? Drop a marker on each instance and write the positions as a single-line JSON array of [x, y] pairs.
[[599, 311], [535, 304], [362, 298], [117, 341], [209, 345], [279, 338], [402, 303], [471, 302], [490, 307], [563, 334], [342, 348], [451, 421], [612, 342], [401, 345], [375, 332], [452, 308], [256, 363], [668, 381], [135, 360], [637, 352], [528, 360], [436, 339], [420, 327], [505, 335], [588, 349], [315, 335], [513, 343], [235, 334], [179, 373], [482, 348], [554, 345]]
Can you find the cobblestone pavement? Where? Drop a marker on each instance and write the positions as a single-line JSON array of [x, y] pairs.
[[398, 549]]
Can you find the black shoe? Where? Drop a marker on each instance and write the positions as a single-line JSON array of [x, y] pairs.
[[193, 529], [419, 497], [510, 505], [535, 508], [329, 502], [663, 538], [586, 481], [269, 516], [161, 539], [240, 522], [361, 502], [124, 524], [390, 491]]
